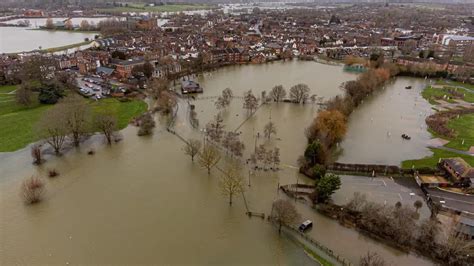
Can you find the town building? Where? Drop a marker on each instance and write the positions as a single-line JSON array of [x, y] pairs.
[[459, 171]]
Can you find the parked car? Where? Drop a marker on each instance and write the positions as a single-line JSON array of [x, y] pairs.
[[305, 225]]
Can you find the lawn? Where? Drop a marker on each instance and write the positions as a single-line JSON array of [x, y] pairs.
[[137, 7], [125, 111], [464, 127], [432, 161], [18, 122], [7, 89]]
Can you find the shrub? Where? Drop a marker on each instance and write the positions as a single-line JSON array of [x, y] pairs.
[[36, 154], [32, 190], [53, 173], [146, 125]]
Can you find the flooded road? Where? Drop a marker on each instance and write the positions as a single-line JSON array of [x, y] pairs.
[[144, 201]]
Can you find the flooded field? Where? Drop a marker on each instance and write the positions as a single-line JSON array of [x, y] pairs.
[[144, 201]]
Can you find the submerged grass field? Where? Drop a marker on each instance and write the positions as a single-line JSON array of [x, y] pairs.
[[18, 123], [463, 126], [431, 93]]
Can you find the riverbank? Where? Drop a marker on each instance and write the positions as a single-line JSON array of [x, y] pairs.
[[66, 30], [18, 122], [158, 8], [65, 47]]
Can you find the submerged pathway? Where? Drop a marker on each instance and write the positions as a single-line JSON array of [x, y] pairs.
[[468, 153]]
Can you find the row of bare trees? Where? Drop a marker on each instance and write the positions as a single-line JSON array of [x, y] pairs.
[[231, 182], [264, 158], [72, 119], [330, 125], [399, 224], [298, 93]]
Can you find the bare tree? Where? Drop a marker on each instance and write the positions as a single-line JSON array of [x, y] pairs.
[[78, 117], [23, 95], [85, 25], [68, 25], [32, 190], [224, 100], [264, 97], [456, 249], [52, 127], [229, 138], [260, 153], [192, 148], [231, 183], [36, 154], [276, 157], [428, 232], [299, 93], [237, 147], [278, 93], [49, 23], [215, 128], [268, 159], [269, 129], [209, 157], [220, 103], [284, 213], [146, 124], [166, 102], [156, 86], [250, 102], [106, 123], [357, 202], [228, 95], [371, 259]]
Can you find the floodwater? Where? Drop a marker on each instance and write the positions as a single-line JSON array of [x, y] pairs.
[[16, 39], [144, 201], [24, 39], [375, 128]]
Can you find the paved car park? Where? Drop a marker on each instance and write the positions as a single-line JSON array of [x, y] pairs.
[[384, 190], [93, 87]]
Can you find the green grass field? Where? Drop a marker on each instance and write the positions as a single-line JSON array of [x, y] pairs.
[[17, 122], [464, 127], [137, 7], [432, 161]]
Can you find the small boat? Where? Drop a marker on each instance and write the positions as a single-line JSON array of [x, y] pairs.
[[405, 136], [408, 87]]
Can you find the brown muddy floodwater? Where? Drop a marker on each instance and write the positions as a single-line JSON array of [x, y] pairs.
[[143, 201]]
